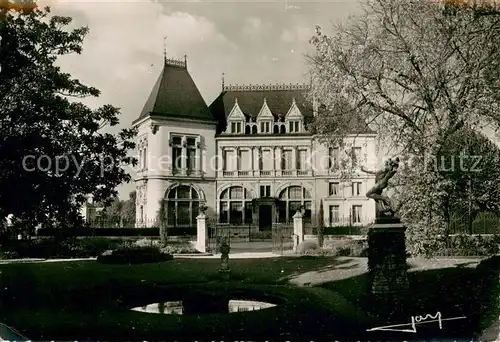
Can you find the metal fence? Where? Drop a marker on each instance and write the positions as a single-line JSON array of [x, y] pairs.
[[171, 230], [282, 238], [483, 223]]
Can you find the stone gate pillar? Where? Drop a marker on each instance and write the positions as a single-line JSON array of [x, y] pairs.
[[201, 233], [298, 229]]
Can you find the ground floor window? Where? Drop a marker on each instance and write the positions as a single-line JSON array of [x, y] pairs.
[[235, 206], [291, 200], [334, 214], [356, 213], [183, 206]]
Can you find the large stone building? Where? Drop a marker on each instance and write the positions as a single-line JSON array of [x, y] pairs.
[[248, 158]]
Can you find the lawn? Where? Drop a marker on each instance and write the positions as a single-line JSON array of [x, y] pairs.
[[85, 300]]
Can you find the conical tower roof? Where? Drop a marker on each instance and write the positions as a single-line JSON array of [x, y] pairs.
[[175, 95]]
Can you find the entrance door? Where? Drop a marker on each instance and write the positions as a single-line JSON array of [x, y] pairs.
[[265, 217]]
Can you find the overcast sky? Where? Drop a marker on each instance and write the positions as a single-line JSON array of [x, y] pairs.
[[251, 42]]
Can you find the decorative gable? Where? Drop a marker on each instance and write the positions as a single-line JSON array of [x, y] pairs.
[[294, 118], [265, 112], [294, 112], [236, 113]]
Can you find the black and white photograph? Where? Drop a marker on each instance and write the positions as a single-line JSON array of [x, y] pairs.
[[223, 170]]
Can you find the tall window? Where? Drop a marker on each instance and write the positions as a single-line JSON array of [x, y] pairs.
[[356, 188], [356, 156], [265, 191], [230, 160], [267, 160], [356, 213], [145, 157], [142, 213], [294, 126], [245, 160], [191, 154], [302, 160], [292, 199], [265, 127], [235, 206], [287, 160], [176, 154], [334, 216], [334, 156], [334, 189], [236, 127], [182, 206]]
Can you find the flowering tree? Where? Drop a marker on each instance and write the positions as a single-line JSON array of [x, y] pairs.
[[417, 72], [412, 70]]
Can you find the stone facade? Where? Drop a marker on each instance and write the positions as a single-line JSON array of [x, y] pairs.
[[248, 157]]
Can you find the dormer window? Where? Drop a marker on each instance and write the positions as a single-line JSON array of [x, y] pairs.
[[294, 126], [236, 119], [265, 118], [236, 127], [294, 118], [265, 127]]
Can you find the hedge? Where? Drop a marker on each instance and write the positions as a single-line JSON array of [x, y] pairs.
[[147, 232], [133, 255]]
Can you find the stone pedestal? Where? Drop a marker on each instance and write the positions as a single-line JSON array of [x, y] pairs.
[[388, 272], [201, 233], [224, 269]]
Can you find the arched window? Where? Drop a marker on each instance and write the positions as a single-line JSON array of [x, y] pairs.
[[282, 129], [276, 129], [235, 206], [254, 129], [247, 129], [183, 206], [292, 199]]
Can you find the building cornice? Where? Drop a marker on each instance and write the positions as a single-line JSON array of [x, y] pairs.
[[226, 136], [176, 178], [160, 118]]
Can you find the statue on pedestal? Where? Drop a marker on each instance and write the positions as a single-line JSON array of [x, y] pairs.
[[384, 204], [224, 259]]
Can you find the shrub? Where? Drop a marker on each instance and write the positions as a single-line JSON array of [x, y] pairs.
[[133, 255], [306, 246], [321, 236], [147, 243], [345, 230], [85, 247], [179, 248], [350, 248], [68, 232], [457, 245], [38, 248]]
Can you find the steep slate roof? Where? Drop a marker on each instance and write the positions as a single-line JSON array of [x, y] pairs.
[[251, 98], [175, 95], [279, 99]]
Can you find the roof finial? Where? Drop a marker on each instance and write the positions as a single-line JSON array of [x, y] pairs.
[[223, 81], [165, 49], [186, 60]]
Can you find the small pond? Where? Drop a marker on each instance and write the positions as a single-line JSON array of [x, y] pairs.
[[178, 307]]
